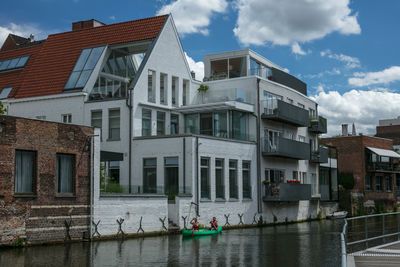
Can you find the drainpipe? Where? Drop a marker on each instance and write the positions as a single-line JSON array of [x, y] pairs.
[[91, 186], [184, 163], [197, 177], [129, 105], [259, 203]]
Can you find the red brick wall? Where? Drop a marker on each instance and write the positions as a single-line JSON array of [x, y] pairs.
[[41, 216]]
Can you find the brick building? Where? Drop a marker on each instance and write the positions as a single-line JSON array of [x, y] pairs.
[[44, 180], [374, 165], [390, 128]]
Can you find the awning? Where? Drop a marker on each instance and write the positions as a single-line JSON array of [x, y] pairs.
[[384, 152], [111, 156]]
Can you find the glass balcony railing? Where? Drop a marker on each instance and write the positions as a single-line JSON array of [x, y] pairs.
[[319, 156], [287, 192], [278, 110], [286, 148], [214, 95], [318, 125]]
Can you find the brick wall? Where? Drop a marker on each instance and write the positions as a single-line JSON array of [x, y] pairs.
[[41, 216], [391, 132]]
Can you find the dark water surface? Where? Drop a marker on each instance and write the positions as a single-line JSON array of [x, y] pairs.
[[303, 244]]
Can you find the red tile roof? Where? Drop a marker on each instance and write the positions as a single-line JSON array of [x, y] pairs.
[[52, 61]]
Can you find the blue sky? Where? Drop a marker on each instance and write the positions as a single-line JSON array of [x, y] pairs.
[[346, 51]]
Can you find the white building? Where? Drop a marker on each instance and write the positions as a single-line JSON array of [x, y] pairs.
[[245, 144]]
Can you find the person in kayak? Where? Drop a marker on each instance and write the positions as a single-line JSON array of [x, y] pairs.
[[195, 224], [214, 224]]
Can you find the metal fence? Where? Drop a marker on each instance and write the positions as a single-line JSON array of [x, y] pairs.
[[362, 232]]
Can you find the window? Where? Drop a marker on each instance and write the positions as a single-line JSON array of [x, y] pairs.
[[13, 63], [368, 183], [66, 118], [174, 127], [246, 179], [295, 175], [312, 114], [163, 88], [171, 175], [239, 125], [5, 92], [206, 123], [185, 92], [25, 169], [175, 91], [271, 140], [65, 172], [274, 176], [302, 138], [233, 184], [221, 124], [84, 67], [303, 178], [114, 124], [219, 179], [97, 119], [160, 123], [192, 123], [146, 122], [150, 175], [150, 86], [378, 183], [113, 171], [205, 178], [237, 67], [388, 183]]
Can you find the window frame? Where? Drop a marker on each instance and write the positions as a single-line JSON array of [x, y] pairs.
[[149, 167], [233, 187], [247, 169], [146, 112], [222, 169], [97, 119], [110, 136], [66, 118], [207, 169], [161, 121], [34, 173], [73, 158]]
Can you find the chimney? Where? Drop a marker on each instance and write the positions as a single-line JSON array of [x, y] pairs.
[[345, 131], [86, 24], [31, 37], [193, 75], [353, 130]]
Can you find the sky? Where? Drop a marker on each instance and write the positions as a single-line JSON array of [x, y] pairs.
[[346, 51]]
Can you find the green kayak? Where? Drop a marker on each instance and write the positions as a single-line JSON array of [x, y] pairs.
[[186, 232]]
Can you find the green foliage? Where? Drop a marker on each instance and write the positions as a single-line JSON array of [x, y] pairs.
[[202, 88], [319, 215], [346, 180], [380, 208], [171, 197], [106, 184], [114, 188], [395, 208], [3, 110]]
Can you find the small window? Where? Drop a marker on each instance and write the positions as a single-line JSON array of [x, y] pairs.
[[97, 119], [146, 122], [171, 176], [114, 124], [205, 178], [65, 173], [368, 183], [66, 118], [25, 168], [233, 183], [150, 175], [151, 97], [388, 183], [160, 123], [174, 127], [163, 88], [378, 183], [5, 92], [246, 179], [219, 179], [185, 92], [175, 91]]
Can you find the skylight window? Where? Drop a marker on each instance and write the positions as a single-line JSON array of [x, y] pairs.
[[84, 67], [5, 92], [14, 63]]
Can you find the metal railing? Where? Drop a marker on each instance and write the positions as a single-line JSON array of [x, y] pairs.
[[362, 231]]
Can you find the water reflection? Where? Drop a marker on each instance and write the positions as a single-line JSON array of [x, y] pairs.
[[305, 244]]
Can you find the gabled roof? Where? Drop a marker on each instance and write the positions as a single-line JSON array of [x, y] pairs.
[[52, 61]]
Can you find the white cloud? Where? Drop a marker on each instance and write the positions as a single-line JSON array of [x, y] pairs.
[[286, 21], [296, 49], [351, 62], [385, 76], [334, 71], [197, 67], [23, 30], [193, 16], [364, 108]]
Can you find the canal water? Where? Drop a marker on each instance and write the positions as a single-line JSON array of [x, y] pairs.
[[303, 244]]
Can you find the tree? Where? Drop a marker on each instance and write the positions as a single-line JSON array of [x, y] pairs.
[[3, 110]]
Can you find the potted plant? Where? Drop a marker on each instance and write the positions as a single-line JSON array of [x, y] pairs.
[[202, 90]]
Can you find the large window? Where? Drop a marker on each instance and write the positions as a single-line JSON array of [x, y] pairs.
[[146, 122], [65, 173], [171, 175], [192, 123], [151, 83], [97, 119], [174, 124], [239, 125], [175, 91], [25, 166], [233, 183], [246, 179], [219, 179], [378, 183], [206, 124], [220, 124], [84, 67], [388, 183], [114, 124], [160, 123], [150, 175], [163, 88], [271, 140], [205, 178]]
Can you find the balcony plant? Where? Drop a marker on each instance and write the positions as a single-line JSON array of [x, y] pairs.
[[202, 90]]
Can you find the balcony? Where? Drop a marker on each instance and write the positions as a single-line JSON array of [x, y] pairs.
[[383, 167], [286, 148], [287, 192], [278, 110], [318, 125], [320, 156]]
